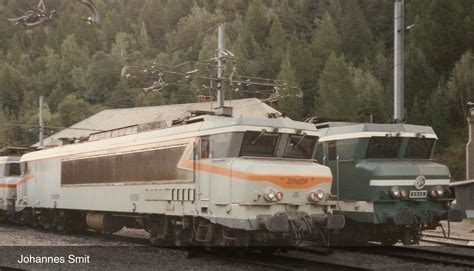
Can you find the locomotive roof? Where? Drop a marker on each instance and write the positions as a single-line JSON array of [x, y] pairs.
[[9, 159], [201, 125], [342, 128], [217, 121], [14, 151], [117, 118]]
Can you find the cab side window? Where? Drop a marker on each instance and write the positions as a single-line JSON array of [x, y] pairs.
[[319, 155], [332, 150], [12, 169], [205, 148]]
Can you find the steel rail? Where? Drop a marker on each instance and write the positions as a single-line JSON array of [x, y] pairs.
[[9, 268], [444, 243], [281, 261], [447, 238], [423, 255], [277, 261]]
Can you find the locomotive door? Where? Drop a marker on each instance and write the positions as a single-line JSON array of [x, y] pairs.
[[339, 158], [204, 177]]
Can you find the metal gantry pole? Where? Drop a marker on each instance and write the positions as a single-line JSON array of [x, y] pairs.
[[220, 66], [399, 31], [41, 120], [470, 147]]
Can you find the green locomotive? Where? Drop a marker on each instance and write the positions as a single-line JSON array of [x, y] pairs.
[[385, 180]]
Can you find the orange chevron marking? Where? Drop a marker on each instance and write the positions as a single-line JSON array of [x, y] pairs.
[[285, 181], [7, 185]]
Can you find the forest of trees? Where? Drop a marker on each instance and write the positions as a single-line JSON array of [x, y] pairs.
[[339, 52]]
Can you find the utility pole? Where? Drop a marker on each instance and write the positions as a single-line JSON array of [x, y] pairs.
[[221, 86], [220, 66], [470, 147], [399, 31], [41, 121]]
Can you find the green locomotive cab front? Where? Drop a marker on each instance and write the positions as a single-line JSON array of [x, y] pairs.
[[385, 179]]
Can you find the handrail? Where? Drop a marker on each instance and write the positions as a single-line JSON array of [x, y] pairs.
[[337, 177]]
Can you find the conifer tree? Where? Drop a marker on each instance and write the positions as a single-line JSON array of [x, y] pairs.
[[357, 40], [461, 86], [336, 89], [325, 40], [290, 103]]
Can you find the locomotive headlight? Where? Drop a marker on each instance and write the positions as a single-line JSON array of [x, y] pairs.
[[437, 192], [273, 195], [312, 196], [395, 192], [279, 195], [270, 195], [320, 194], [403, 193], [316, 196]]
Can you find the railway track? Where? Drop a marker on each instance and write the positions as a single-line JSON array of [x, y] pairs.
[[287, 262], [9, 268], [279, 261], [447, 241], [283, 261], [303, 258], [424, 255]]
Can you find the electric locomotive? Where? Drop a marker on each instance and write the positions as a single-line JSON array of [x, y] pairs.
[[387, 185], [205, 180], [9, 177]]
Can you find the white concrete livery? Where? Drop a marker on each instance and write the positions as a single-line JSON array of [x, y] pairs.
[[218, 183]]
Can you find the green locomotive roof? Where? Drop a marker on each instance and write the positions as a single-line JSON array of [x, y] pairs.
[[338, 128]]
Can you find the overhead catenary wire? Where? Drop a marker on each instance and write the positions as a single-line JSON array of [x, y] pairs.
[[241, 78]]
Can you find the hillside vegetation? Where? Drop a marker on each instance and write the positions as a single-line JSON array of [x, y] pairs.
[[339, 52]]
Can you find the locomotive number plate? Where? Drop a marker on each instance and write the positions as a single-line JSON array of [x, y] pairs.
[[418, 194]]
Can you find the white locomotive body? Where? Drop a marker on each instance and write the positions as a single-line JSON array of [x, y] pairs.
[[214, 181]]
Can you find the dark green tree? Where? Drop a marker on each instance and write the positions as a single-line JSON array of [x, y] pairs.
[[357, 40], [290, 103], [336, 89], [72, 110], [325, 40], [12, 88], [461, 87]]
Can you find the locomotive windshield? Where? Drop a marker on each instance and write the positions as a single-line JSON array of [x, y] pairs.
[[419, 148], [300, 146], [259, 144], [390, 148], [13, 169], [383, 147]]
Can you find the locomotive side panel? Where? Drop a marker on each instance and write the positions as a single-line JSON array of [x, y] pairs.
[[139, 166], [138, 180], [41, 185]]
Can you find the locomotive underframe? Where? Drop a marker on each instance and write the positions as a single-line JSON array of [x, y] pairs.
[[390, 221], [280, 230]]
